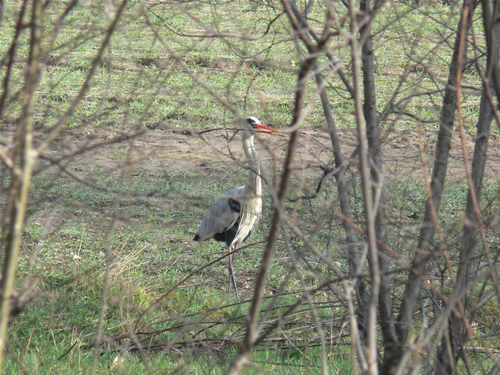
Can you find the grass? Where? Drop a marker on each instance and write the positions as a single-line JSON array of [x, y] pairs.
[[68, 257], [141, 73], [73, 230]]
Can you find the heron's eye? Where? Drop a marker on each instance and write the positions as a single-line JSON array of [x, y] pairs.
[[251, 122]]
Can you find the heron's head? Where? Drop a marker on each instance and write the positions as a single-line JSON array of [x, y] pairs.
[[256, 125]]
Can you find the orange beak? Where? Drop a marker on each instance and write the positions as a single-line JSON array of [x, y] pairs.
[[265, 129]]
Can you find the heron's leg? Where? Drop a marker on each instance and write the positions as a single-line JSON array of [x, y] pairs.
[[232, 280]]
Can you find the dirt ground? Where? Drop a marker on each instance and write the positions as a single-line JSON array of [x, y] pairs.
[[174, 149], [184, 151]]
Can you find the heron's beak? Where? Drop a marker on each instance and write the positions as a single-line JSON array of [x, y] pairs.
[[266, 129]]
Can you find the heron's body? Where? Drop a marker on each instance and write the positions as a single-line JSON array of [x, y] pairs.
[[232, 218]]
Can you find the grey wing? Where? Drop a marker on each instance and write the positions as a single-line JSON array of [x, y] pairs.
[[222, 215]]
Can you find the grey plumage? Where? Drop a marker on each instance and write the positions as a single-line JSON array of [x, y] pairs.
[[232, 217], [226, 214]]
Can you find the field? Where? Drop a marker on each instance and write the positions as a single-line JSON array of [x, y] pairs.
[[117, 196]]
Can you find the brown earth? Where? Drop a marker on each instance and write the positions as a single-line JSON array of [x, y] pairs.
[[179, 150], [214, 152]]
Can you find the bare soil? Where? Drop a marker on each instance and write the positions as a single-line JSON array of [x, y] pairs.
[[218, 152], [184, 151]]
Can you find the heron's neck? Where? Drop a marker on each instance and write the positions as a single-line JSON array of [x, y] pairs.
[[254, 182]]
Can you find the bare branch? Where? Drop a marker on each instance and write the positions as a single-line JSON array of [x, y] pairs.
[[13, 225]]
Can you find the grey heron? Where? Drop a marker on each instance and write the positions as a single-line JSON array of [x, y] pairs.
[[233, 216]]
